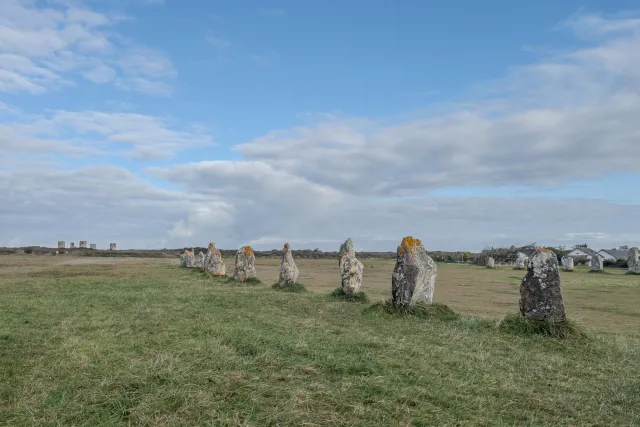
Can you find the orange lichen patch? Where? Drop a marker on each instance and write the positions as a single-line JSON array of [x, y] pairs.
[[212, 246], [410, 243], [286, 245], [244, 278], [217, 273], [544, 250], [248, 250], [188, 252]]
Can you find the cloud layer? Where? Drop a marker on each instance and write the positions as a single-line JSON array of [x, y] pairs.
[[571, 115]]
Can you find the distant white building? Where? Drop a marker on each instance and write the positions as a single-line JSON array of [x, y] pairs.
[[613, 254], [582, 252]]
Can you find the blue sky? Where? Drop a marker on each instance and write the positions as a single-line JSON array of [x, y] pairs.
[[251, 122]]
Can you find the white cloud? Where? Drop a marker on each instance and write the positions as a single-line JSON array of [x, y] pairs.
[[46, 44]]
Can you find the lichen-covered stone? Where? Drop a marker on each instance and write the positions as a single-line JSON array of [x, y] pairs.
[[414, 276], [567, 263], [351, 269], [634, 260], [520, 263], [213, 263], [491, 263], [540, 292], [201, 258], [245, 265], [596, 263], [288, 269], [187, 259]]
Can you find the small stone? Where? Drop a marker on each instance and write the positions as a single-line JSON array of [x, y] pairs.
[[520, 263], [567, 263], [491, 263], [634, 261], [540, 292], [414, 276], [201, 258], [245, 266], [213, 263], [596, 263], [288, 269], [351, 269]]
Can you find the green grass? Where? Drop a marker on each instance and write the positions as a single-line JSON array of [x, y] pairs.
[[295, 287], [421, 310], [565, 330], [339, 293], [159, 346]]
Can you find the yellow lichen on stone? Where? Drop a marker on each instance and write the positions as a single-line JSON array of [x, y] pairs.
[[212, 246], [410, 242], [286, 245], [248, 250], [217, 273], [544, 250]]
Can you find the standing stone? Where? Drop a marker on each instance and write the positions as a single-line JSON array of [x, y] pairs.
[[520, 261], [414, 276], [351, 269], [540, 292], [288, 269], [491, 263], [634, 261], [596, 263], [201, 258], [245, 267], [187, 259], [567, 263], [213, 263], [183, 259]]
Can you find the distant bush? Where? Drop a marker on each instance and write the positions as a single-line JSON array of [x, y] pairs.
[[618, 263]]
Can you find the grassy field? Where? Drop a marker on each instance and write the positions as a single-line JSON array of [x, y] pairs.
[[120, 342]]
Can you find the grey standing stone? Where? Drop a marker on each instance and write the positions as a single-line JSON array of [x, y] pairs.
[[596, 263], [414, 276], [213, 263], [245, 265], [201, 258], [351, 269], [187, 259], [288, 269], [567, 263], [520, 263], [634, 260], [540, 292], [491, 263]]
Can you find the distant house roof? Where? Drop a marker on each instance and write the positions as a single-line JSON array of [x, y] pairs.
[[587, 251], [617, 253]]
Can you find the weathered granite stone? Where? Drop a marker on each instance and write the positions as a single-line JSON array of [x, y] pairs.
[[351, 269], [634, 260], [213, 263], [520, 263], [288, 269], [567, 263], [540, 292], [245, 266], [201, 258], [491, 263], [596, 263], [188, 259], [414, 276]]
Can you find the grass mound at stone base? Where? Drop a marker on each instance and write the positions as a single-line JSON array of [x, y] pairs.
[[294, 287], [356, 297], [564, 330], [421, 310]]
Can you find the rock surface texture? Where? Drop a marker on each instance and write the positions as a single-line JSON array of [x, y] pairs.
[[288, 269], [596, 263], [201, 258], [187, 259], [634, 260], [540, 292], [491, 263], [245, 267], [351, 269], [567, 263], [520, 263], [213, 263], [414, 276]]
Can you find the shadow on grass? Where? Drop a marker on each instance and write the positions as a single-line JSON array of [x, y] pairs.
[[632, 273], [564, 330], [339, 293], [294, 287], [420, 310]]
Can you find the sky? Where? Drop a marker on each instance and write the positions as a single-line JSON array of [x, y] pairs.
[[174, 123]]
